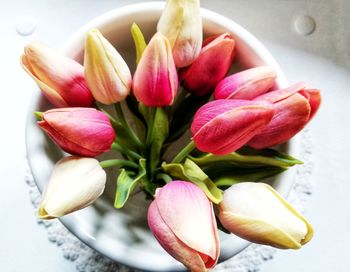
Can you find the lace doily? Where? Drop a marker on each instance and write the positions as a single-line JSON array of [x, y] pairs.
[[249, 260]]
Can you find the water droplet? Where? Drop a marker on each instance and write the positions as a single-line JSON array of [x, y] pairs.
[[25, 25], [304, 25]]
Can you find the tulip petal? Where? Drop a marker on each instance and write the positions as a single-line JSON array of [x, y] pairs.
[[291, 116], [75, 183], [51, 95], [106, 72], [80, 131], [258, 231], [279, 95], [210, 67], [256, 212], [189, 218], [63, 75], [155, 81], [171, 21], [314, 100], [181, 23], [247, 84], [66, 144], [168, 240], [310, 230], [222, 126]]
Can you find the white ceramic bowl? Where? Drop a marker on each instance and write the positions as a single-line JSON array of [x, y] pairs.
[[122, 235]]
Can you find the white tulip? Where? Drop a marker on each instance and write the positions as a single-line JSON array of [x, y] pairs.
[[181, 23], [107, 74], [75, 183], [256, 212]]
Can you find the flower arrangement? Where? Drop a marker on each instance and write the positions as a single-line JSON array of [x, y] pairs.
[[181, 85]]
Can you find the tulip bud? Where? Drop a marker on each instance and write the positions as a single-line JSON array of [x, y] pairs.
[[75, 183], [210, 67], [256, 212], [155, 81], [61, 79], [79, 131], [222, 126], [294, 107], [106, 72], [247, 84], [182, 219], [181, 23]]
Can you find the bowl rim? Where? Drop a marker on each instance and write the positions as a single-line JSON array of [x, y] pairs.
[[69, 48]]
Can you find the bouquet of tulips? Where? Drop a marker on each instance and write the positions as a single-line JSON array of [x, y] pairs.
[[233, 121]]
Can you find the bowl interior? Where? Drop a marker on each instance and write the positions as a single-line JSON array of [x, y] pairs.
[[123, 235]]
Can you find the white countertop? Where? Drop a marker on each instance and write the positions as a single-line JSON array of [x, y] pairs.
[[323, 58]]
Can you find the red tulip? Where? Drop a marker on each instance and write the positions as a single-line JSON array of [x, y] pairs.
[[223, 126], [211, 66], [182, 219], [155, 81], [61, 79], [294, 107], [247, 84], [79, 131]]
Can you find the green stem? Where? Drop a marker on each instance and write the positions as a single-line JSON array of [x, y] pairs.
[[164, 177], [184, 152], [150, 127], [126, 126], [120, 163], [126, 151]]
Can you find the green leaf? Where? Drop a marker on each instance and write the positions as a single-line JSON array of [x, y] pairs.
[[39, 115], [269, 153], [139, 40], [183, 115], [227, 174], [250, 157], [189, 171], [160, 133], [126, 183]]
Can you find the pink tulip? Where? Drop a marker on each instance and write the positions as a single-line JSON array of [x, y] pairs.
[[79, 131], [294, 107], [155, 81], [247, 84], [61, 79], [222, 126], [182, 219], [211, 66]]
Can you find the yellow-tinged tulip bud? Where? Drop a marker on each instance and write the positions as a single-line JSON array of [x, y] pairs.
[[75, 183], [256, 212], [181, 23], [107, 74]]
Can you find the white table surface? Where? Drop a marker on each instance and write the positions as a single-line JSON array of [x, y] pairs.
[[322, 58]]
